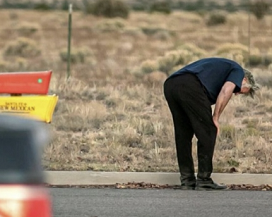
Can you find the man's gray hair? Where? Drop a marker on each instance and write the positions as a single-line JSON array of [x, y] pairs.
[[253, 86]]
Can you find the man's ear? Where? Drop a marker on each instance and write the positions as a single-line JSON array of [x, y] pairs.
[[244, 80]]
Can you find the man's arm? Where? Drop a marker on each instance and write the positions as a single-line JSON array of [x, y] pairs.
[[222, 100]]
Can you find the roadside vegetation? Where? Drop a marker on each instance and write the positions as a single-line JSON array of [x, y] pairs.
[[111, 114]]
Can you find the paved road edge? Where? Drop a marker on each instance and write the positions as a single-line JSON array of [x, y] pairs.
[[111, 178]]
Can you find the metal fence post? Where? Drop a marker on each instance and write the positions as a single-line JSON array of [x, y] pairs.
[[69, 41]]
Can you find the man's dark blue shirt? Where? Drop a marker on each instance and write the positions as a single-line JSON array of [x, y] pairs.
[[213, 73]]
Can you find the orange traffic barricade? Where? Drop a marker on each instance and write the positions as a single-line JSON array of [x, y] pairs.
[[28, 95], [25, 82]]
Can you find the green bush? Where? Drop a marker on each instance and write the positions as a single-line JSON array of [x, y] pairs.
[[258, 59], [228, 132], [230, 7], [137, 6], [259, 8], [252, 132], [233, 163], [105, 25], [161, 6], [77, 55], [16, 4], [170, 60], [108, 8], [148, 66], [232, 48], [251, 123], [42, 6], [192, 6], [151, 30], [267, 60], [255, 60], [22, 47], [195, 50], [27, 28], [216, 18], [16, 64], [65, 5]]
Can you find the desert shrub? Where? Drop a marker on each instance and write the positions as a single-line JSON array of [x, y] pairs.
[[153, 30], [267, 60], [18, 64], [255, 60], [233, 163], [216, 18], [160, 6], [230, 7], [191, 5], [228, 132], [42, 6], [255, 57], [22, 47], [26, 28], [201, 13], [110, 25], [145, 127], [259, 8], [163, 35], [232, 48], [265, 78], [170, 60], [250, 123], [252, 131], [239, 58], [109, 8], [65, 5], [148, 66], [16, 4], [77, 55], [13, 15], [138, 6], [195, 50], [155, 77], [174, 59], [167, 63]]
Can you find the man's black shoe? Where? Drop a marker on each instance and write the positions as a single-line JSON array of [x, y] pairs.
[[187, 187], [188, 181], [209, 186]]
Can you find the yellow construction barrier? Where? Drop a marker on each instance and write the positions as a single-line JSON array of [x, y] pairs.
[[39, 107]]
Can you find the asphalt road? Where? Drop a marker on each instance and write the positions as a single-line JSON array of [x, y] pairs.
[[73, 202]]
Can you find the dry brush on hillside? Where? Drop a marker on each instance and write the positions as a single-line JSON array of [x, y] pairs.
[[112, 115]]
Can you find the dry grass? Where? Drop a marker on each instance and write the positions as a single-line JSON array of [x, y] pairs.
[[112, 115]]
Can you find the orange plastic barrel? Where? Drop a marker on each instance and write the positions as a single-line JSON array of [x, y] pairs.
[[25, 82]]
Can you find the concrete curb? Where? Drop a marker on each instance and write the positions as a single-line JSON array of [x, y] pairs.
[[111, 178]]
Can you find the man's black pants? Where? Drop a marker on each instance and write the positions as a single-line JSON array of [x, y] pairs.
[[192, 115]]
